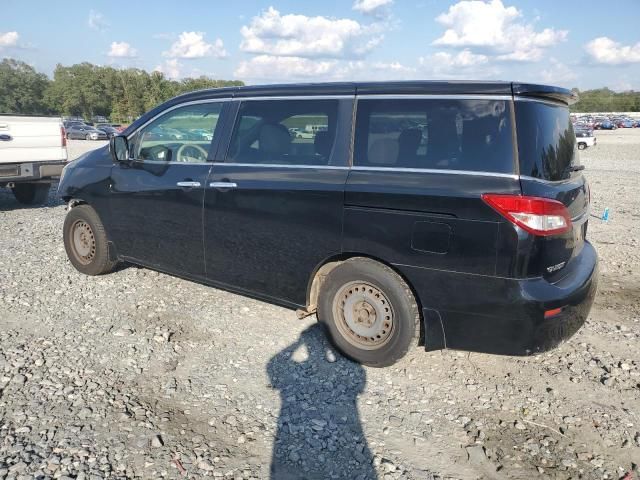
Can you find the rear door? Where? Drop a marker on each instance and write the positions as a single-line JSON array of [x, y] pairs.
[[156, 198], [274, 202], [420, 166], [550, 168]]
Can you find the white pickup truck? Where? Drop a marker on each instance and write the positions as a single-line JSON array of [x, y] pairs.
[[33, 151]]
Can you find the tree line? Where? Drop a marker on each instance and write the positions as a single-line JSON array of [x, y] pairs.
[[86, 90], [605, 100]]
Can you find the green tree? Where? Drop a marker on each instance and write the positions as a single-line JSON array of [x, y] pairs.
[[21, 88]]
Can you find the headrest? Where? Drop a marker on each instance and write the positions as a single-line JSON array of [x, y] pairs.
[[274, 138], [383, 151]]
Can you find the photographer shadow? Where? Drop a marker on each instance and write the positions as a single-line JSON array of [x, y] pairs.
[[319, 434]]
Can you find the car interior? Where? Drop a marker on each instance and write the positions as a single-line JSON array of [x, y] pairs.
[[268, 136], [432, 140]]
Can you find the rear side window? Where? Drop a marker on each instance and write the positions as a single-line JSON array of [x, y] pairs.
[[473, 135], [546, 141], [284, 132]]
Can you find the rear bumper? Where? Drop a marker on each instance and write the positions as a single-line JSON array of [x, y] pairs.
[[30, 171], [504, 316]]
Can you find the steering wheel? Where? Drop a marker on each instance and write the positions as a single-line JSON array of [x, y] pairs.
[[190, 152]]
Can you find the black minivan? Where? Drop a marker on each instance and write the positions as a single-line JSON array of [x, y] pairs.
[[445, 214]]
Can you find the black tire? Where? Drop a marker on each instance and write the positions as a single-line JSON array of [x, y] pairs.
[[582, 146], [383, 292], [31, 193], [85, 241]]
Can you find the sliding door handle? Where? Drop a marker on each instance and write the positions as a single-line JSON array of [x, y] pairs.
[[223, 185], [188, 184]]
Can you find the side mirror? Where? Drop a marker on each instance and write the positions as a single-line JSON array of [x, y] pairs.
[[119, 148]]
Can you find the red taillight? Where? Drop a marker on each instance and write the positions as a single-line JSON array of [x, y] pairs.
[[64, 136], [536, 215]]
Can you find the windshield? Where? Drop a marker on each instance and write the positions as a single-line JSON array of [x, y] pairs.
[[546, 141]]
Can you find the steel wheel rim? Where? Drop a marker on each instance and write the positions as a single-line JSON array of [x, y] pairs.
[[364, 316], [83, 242]]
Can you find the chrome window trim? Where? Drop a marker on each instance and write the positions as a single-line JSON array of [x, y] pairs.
[[170, 109], [283, 165], [512, 176], [160, 162], [294, 97], [432, 96]]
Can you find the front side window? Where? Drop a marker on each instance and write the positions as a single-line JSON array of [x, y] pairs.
[[474, 135], [284, 132], [184, 134]]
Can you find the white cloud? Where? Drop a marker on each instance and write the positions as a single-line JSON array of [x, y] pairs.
[[292, 35], [558, 74], [97, 21], [193, 45], [122, 50], [605, 50], [266, 67], [462, 65], [495, 28], [463, 59], [171, 68], [376, 8], [9, 39]]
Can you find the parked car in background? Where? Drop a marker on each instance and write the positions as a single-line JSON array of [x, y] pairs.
[[85, 132], [33, 151], [72, 123], [462, 233], [607, 125], [585, 138], [109, 130], [626, 123]]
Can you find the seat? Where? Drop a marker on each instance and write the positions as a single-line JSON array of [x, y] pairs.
[[383, 152], [323, 143], [274, 141], [443, 147], [408, 143]]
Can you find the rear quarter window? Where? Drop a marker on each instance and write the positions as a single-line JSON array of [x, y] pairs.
[[546, 140], [464, 134]]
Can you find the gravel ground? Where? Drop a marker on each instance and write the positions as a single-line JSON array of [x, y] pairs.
[[141, 375]]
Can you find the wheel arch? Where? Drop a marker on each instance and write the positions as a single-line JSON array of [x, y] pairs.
[[316, 280]]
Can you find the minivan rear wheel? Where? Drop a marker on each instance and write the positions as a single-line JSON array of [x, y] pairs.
[[582, 146], [86, 242], [369, 311]]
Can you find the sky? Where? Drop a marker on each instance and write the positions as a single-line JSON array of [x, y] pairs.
[[585, 44]]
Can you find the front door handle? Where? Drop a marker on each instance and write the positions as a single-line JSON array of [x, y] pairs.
[[188, 184], [5, 138], [223, 185]]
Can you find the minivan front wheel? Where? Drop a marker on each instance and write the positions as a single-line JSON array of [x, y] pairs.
[[85, 241], [370, 312]]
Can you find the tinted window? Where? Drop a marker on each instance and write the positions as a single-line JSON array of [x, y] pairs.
[[288, 132], [181, 135], [546, 142], [435, 134]]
